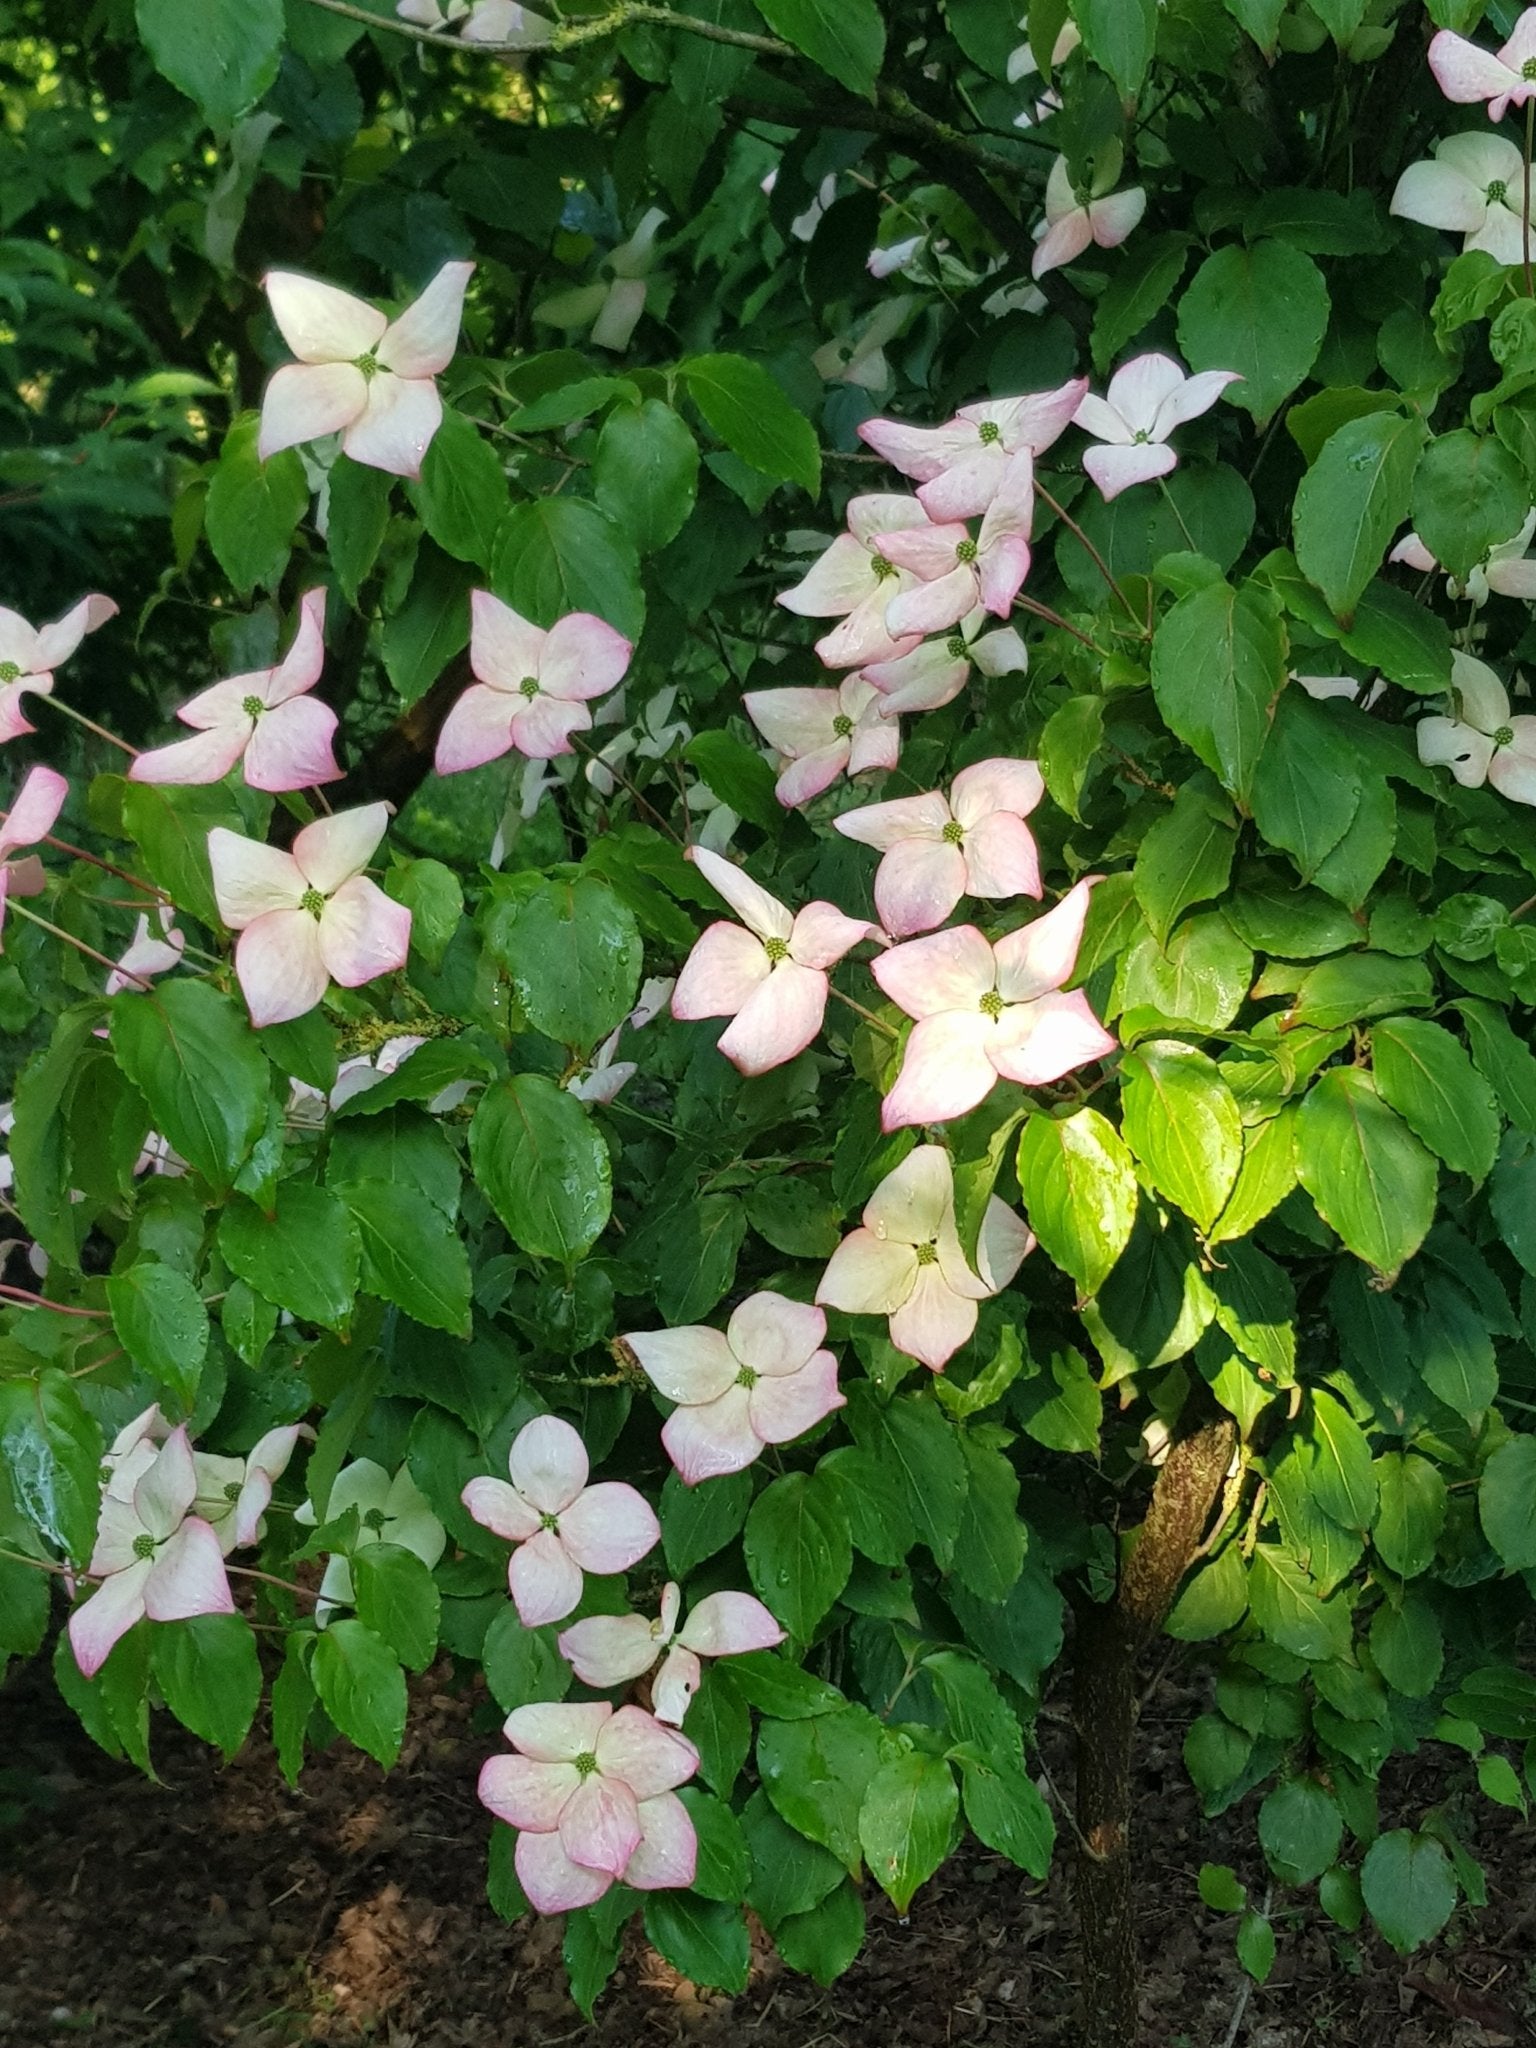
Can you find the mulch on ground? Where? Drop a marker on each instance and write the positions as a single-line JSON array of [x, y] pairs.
[[219, 1907]]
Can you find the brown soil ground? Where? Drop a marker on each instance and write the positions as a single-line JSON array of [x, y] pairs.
[[218, 1907]]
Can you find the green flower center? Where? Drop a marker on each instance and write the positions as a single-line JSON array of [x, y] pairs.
[[529, 686], [1505, 736], [1528, 69], [991, 433], [842, 725], [252, 706], [586, 1763], [881, 567], [314, 903], [953, 833], [954, 647], [1496, 193], [992, 1005], [966, 552], [232, 1489], [144, 1546], [8, 671], [374, 1520], [746, 1377], [368, 364], [927, 1254], [776, 949], [552, 1523], [1140, 438]]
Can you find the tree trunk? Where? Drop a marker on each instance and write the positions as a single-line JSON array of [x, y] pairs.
[[1109, 1640]]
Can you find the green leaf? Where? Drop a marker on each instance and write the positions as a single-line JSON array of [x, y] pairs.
[[1007, 1812], [645, 474], [396, 1595], [1212, 1601], [1079, 1189], [435, 898], [361, 1686], [1287, 1607], [1063, 1408], [412, 1253], [1352, 501], [1265, 1178], [305, 1256], [1256, 1945], [39, 1143], [170, 827], [1218, 666], [797, 1550], [521, 1664], [1408, 1888], [1150, 268], [787, 1691], [1219, 1888], [1425, 1074], [816, 1773], [560, 555], [746, 408], [253, 506], [719, 1727], [906, 1823], [221, 53], [843, 37], [1454, 1351], [724, 1861], [1512, 1196], [792, 1217], [737, 775], [209, 1672], [1506, 1502], [594, 1940], [1504, 1060], [993, 1541], [431, 627], [424, 1073], [697, 1521], [25, 1609], [790, 1875], [1372, 1181], [1468, 495], [544, 1166], [1181, 1121], [50, 1451], [703, 1940], [162, 1325], [1262, 311], [1412, 1512], [1407, 1646], [1119, 36], [1358, 985], [573, 953], [919, 1449], [462, 493], [356, 522], [196, 1061], [293, 1701], [691, 1254], [1186, 857], [825, 1941], [1307, 787], [1336, 1460]]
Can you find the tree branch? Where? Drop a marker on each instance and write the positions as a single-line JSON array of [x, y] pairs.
[[567, 35]]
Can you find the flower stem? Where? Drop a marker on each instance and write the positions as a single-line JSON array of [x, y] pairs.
[[20, 910], [877, 1023], [1095, 557], [122, 874], [31, 1300], [1043, 611], [39, 1564], [90, 725], [1525, 196], [247, 1571]]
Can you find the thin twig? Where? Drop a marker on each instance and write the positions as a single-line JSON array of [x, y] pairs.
[[20, 910], [567, 35], [31, 1300]]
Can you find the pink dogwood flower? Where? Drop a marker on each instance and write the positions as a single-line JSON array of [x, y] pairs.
[[936, 671], [152, 1556], [233, 1494], [1146, 399], [309, 917], [960, 467], [1505, 78], [30, 819], [562, 1526], [956, 573], [1482, 741], [936, 850], [854, 581], [30, 654], [533, 686], [1473, 186], [765, 1379], [1077, 217], [985, 1012], [358, 373], [823, 734], [614, 1649], [266, 720], [772, 977], [592, 1791], [145, 955], [906, 1262]]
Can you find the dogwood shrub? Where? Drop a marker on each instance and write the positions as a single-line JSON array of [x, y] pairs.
[[987, 664]]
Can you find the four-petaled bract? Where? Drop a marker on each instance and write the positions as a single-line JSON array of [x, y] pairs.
[[1076, 220], [152, 1555], [906, 1261], [936, 851], [1466, 74], [960, 467], [1475, 188], [145, 955], [854, 581], [30, 654], [31, 818], [267, 721], [614, 1649], [823, 734], [309, 917], [533, 688], [1146, 399], [772, 977], [389, 1510], [562, 1527], [1483, 742], [936, 671], [955, 573], [233, 1494], [592, 1793], [360, 374], [988, 1012], [764, 1380]]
